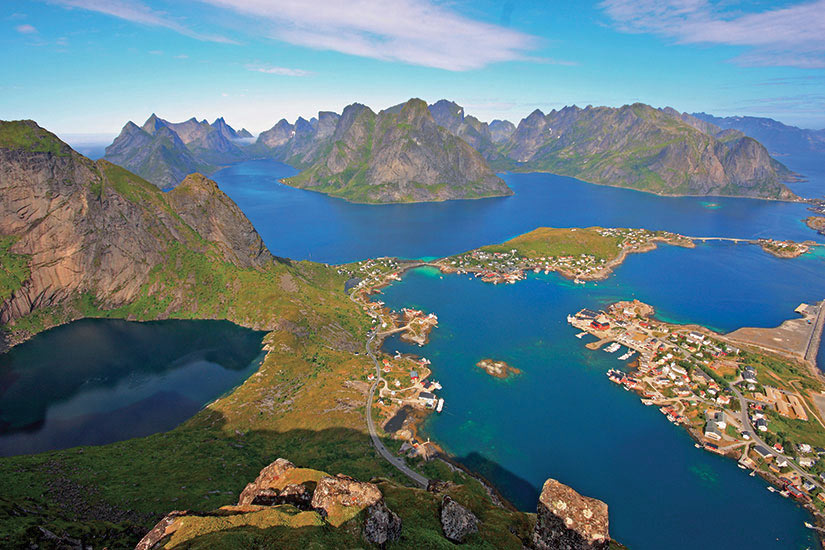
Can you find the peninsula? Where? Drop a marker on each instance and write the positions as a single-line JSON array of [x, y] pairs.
[[755, 395]]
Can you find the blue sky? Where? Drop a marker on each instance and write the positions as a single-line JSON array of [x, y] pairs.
[[88, 66]]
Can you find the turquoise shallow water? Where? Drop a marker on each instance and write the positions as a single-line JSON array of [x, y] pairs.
[[97, 381], [563, 418]]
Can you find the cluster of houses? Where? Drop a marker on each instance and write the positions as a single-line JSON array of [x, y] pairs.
[[509, 267]]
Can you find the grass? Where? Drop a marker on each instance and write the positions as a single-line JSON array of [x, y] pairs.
[[25, 135], [548, 241], [14, 268]]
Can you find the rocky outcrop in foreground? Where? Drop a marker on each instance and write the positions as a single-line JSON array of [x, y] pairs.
[[568, 521], [284, 496]]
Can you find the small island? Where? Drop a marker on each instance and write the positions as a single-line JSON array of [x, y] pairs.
[[581, 254], [817, 223], [784, 249], [497, 369]]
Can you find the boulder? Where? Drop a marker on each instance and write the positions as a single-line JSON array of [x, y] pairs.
[[381, 525], [457, 521], [266, 484], [160, 530], [567, 520], [343, 490]]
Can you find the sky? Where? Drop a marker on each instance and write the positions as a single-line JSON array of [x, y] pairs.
[[89, 66]]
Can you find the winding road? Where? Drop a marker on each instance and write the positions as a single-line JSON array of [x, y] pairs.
[[396, 461]]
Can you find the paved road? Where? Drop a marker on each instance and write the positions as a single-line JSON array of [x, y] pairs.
[[746, 425], [398, 462]]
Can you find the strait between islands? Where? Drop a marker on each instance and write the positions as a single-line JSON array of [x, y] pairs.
[[762, 383]]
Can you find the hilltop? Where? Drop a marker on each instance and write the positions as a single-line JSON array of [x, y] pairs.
[[398, 155]]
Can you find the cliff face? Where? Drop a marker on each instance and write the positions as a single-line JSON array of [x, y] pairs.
[[398, 155], [93, 228], [644, 148]]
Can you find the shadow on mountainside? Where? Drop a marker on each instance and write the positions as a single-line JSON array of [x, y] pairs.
[[113, 494]]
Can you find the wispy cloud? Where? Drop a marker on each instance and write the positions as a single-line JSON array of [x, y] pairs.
[[788, 36], [26, 29], [137, 12], [419, 32], [282, 71]]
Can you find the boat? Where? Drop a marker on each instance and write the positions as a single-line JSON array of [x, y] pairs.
[[440, 405], [580, 335], [697, 445], [612, 348], [436, 385], [741, 465], [578, 281], [808, 525], [771, 489], [570, 318]]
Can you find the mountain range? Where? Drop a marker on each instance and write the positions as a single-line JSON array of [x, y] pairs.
[[780, 139], [165, 153], [419, 152]]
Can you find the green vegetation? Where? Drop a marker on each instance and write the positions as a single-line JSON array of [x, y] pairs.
[[549, 241], [14, 268], [27, 136]]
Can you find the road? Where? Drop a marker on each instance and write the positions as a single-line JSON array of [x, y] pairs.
[[746, 426], [396, 461]]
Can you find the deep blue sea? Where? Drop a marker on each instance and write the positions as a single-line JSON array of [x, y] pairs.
[[306, 225]]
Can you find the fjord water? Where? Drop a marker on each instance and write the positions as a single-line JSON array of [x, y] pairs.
[[97, 381], [563, 418], [306, 225]]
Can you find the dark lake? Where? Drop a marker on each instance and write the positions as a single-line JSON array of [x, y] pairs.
[[98, 381]]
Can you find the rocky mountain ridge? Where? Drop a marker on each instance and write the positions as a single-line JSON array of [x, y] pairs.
[[93, 229], [164, 152], [397, 156], [637, 146]]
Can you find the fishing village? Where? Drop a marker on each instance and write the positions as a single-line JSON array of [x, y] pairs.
[[401, 382], [588, 254], [737, 398], [754, 395]]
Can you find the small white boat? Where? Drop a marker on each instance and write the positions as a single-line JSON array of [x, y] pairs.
[[580, 335], [741, 465], [612, 348], [570, 318], [440, 405], [771, 489]]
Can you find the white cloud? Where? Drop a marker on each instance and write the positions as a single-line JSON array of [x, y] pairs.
[[282, 71], [419, 32], [26, 29], [137, 12], [787, 36]]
